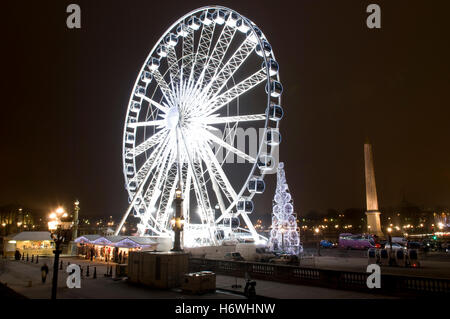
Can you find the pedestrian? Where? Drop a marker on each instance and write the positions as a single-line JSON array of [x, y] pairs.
[[17, 255], [251, 293], [44, 272], [120, 257], [116, 254]]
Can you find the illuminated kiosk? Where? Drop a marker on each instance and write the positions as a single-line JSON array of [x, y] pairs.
[[209, 77]]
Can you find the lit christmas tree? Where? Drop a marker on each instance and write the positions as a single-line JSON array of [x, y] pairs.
[[284, 235]]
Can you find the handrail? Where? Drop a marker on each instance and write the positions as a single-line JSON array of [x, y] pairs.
[[336, 279]]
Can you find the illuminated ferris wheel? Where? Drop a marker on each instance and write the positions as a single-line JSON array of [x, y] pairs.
[[210, 78]]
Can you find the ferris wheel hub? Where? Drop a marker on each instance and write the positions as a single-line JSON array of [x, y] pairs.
[[173, 116]]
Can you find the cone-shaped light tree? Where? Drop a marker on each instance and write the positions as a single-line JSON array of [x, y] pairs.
[[284, 235]]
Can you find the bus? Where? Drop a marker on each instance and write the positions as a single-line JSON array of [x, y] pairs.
[[359, 241]]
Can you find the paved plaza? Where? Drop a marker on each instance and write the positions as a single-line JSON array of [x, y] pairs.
[[25, 278], [18, 275]]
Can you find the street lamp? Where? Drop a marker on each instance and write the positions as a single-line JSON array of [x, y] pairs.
[[390, 245], [177, 222], [58, 231]]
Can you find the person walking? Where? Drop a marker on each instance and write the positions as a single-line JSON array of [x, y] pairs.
[[17, 255], [44, 272]]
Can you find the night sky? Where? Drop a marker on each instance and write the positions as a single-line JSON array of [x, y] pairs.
[[65, 94]]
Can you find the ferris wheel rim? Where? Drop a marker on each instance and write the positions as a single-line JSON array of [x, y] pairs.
[[268, 79]]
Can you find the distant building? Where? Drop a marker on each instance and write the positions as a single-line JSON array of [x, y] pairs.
[[14, 219]]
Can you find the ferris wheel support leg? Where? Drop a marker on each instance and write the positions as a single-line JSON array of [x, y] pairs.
[[252, 229], [136, 195], [125, 216], [203, 205]]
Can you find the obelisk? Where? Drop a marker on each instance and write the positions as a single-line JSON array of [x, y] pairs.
[[372, 213]]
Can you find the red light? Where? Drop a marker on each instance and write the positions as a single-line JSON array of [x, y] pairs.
[[414, 265]]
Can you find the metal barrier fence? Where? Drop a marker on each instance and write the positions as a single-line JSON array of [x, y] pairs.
[[336, 279]]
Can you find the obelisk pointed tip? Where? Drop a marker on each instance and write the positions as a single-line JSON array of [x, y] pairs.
[[367, 141]]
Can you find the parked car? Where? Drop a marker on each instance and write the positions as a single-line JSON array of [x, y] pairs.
[[395, 246], [235, 256], [326, 244], [263, 255], [359, 241], [285, 259]]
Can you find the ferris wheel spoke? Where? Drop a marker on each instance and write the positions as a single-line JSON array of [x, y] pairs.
[[200, 188], [152, 141], [229, 147], [163, 86], [204, 46], [148, 221], [154, 196], [164, 177], [153, 190], [159, 123], [167, 195], [186, 192], [139, 179], [237, 90], [219, 177], [172, 61], [207, 212], [214, 61], [154, 103], [231, 119], [232, 65], [150, 163], [188, 52]]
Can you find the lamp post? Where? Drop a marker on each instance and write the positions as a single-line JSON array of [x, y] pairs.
[[178, 221], [390, 245], [58, 233], [76, 209]]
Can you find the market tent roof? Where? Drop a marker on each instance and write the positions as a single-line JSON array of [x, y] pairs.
[[127, 243], [115, 239], [135, 241], [87, 238], [143, 240], [32, 236], [101, 241], [118, 241]]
